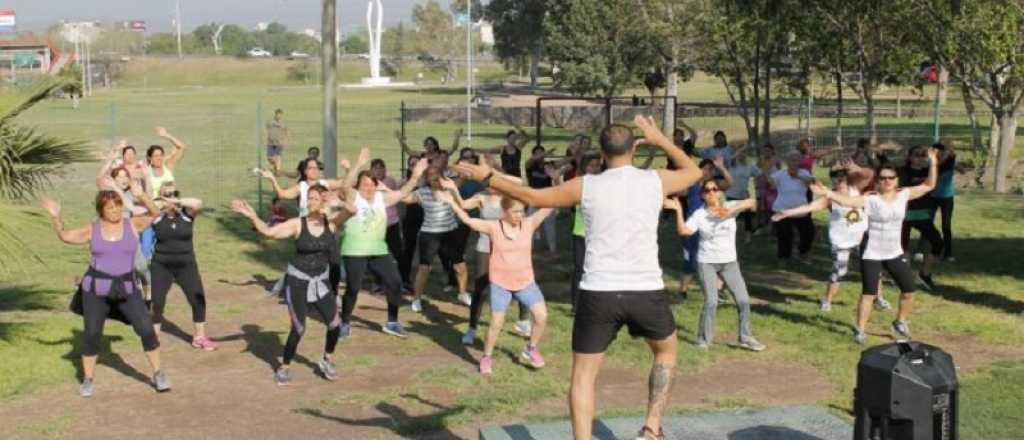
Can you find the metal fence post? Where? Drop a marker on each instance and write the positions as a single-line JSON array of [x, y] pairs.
[[259, 156], [402, 128], [938, 110]]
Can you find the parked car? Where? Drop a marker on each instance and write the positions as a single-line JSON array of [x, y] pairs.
[[364, 56], [259, 52], [296, 55]]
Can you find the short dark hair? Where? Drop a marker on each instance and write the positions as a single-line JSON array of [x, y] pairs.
[[719, 133], [889, 167], [378, 161], [465, 151], [939, 146], [863, 142], [431, 141], [705, 163], [616, 140], [302, 167], [509, 133], [126, 148], [365, 174], [310, 150], [152, 149], [537, 147]]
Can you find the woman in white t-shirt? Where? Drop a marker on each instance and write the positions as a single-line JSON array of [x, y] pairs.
[[885, 211], [791, 185], [716, 257], [846, 227]]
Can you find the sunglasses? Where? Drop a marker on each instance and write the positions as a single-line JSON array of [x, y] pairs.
[[886, 177], [709, 190], [837, 174]]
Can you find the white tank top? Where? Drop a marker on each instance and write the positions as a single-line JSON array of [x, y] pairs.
[[846, 226], [621, 207], [304, 196], [488, 211], [885, 226], [156, 182]]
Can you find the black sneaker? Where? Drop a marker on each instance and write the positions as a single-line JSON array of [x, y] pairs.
[[926, 281], [902, 329]]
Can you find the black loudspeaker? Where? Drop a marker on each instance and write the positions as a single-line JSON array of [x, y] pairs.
[[906, 391]]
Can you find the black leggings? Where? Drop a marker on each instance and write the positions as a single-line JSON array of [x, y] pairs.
[[95, 309], [928, 232], [480, 287], [946, 210], [295, 295], [186, 274], [784, 232], [898, 268], [394, 240], [410, 236], [383, 267], [579, 251]]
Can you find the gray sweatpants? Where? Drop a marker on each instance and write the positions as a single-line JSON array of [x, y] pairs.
[[708, 274]]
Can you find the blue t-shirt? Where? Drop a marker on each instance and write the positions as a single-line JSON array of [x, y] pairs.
[[468, 189]]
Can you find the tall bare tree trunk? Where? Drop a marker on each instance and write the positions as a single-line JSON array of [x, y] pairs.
[[534, 65], [1007, 137], [767, 126], [943, 84], [839, 107], [668, 124], [753, 136], [869, 114], [972, 116]]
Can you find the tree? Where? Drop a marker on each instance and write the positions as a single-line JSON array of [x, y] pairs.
[[675, 33], [458, 7], [394, 44], [599, 46], [437, 35], [982, 45], [28, 162], [355, 43], [515, 31]]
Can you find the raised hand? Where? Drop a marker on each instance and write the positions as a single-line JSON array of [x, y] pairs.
[[652, 134], [933, 155], [778, 216], [135, 188], [364, 157], [50, 206], [345, 164], [420, 166], [241, 207], [162, 132], [448, 184], [473, 172], [266, 174], [399, 136], [719, 162], [110, 184], [817, 188]]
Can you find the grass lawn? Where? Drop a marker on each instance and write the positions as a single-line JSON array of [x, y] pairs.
[[976, 312]]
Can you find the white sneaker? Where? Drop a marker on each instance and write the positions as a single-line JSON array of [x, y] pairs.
[[881, 304], [918, 257], [826, 306], [523, 328], [417, 306], [466, 299]]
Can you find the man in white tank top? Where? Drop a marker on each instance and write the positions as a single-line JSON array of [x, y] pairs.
[[621, 283]]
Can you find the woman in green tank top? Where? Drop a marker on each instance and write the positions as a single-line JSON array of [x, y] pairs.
[[590, 164]]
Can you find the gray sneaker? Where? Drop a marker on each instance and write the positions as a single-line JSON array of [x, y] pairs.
[[162, 383], [826, 306], [859, 337], [85, 389], [327, 368], [882, 304], [345, 331], [901, 328], [469, 337], [523, 328], [395, 329], [282, 376], [752, 344]]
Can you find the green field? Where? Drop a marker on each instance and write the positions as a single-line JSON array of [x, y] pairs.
[[976, 312]]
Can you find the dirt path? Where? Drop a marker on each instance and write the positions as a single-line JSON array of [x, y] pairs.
[[229, 393]]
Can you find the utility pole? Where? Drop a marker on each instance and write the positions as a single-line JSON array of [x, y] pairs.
[[469, 73], [177, 24], [329, 65]]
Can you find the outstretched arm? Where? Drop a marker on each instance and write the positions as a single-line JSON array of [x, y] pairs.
[[559, 196], [289, 194], [481, 226], [179, 147], [405, 191], [540, 215], [933, 175], [842, 199], [817, 205], [727, 180], [80, 235], [681, 229], [280, 231]]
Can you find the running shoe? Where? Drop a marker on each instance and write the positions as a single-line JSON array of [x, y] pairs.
[[345, 330], [328, 369], [826, 306], [926, 281], [752, 344], [950, 259], [204, 343], [417, 305], [395, 329], [882, 304], [466, 299], [523, 328], [161, 382], [703, 345], [918, 257], [647, 433], [486, 365], [469, 337], [860, 337], [282, 376], [532, 354], [85, 389], [901, 328]]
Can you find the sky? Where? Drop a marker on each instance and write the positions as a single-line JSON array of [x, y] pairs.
[[37, 15]]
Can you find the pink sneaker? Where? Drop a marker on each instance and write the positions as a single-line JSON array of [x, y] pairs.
[[486, 365], [204, 343], [532, 354]]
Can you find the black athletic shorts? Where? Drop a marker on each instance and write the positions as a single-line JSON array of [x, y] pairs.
[[600, 315], [898, 268], [432, 244]]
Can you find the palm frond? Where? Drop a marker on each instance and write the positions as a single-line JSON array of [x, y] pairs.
[[13, 103], [14, 253], [29, 160]]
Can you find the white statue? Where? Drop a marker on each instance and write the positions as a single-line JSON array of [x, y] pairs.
[[375, 35]]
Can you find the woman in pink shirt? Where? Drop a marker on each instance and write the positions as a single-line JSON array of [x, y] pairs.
[[511, 272]]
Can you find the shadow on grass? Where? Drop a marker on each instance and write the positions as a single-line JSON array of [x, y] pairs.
[[172, 329], [770, 432], [818, 320], [8, 330], [270, 253], [399, 421], [264, 345], [441, 328], [106, 357], [29, 298]]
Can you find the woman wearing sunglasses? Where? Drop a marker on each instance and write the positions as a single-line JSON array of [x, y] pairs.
[[715, 222], [885, 211]]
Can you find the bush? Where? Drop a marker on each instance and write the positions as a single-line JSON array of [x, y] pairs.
[[302, 71]]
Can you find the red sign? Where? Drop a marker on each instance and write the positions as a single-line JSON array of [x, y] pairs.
[[137, 25], [6, 17]]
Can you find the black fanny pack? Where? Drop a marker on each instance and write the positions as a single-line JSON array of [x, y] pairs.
[[116, 293]]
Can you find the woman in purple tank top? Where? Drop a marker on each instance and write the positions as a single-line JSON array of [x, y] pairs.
[[109, 287]]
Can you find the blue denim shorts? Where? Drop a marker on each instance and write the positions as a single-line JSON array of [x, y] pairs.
[[501, 297]]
